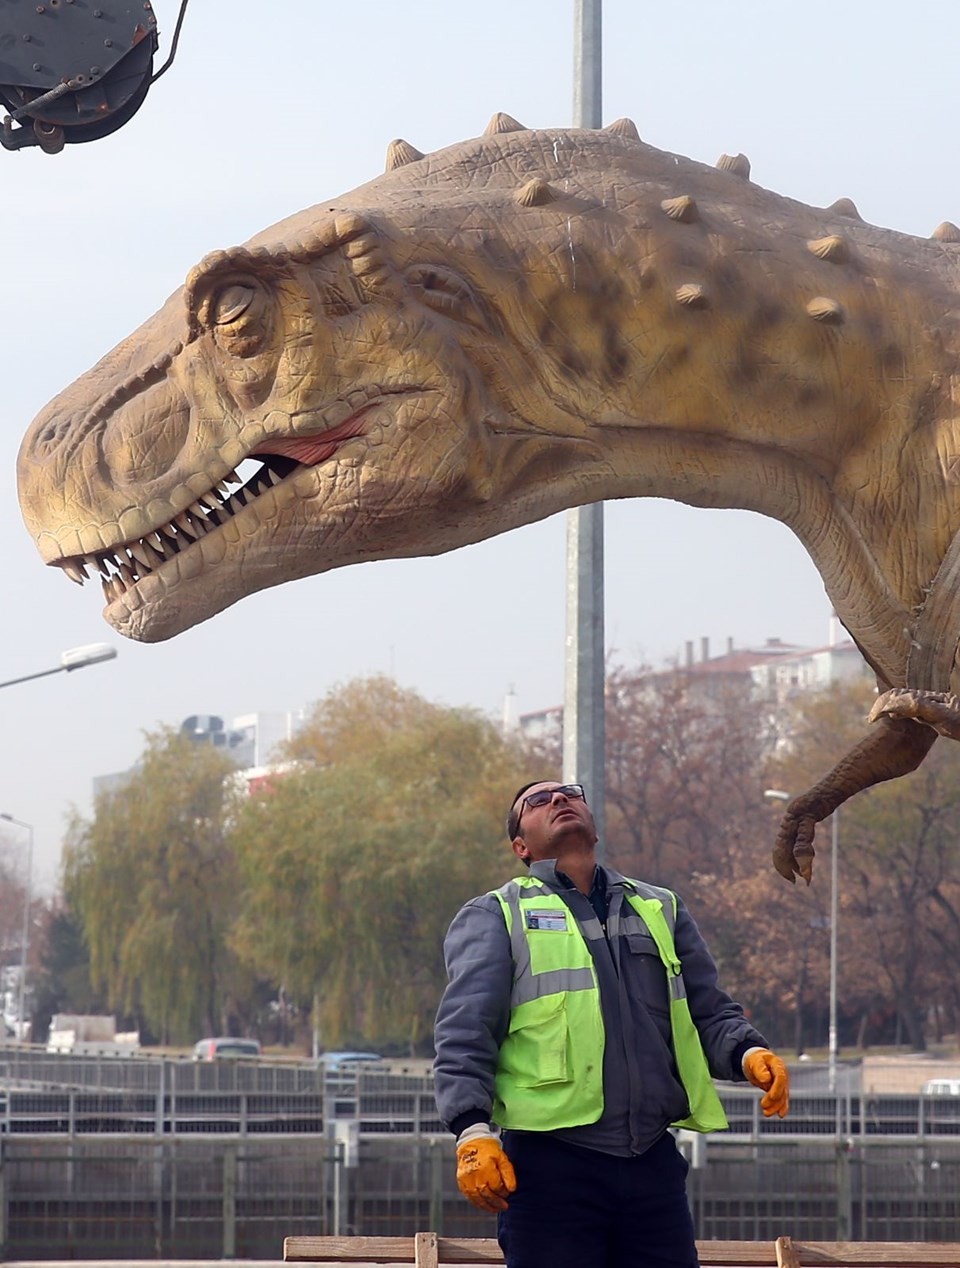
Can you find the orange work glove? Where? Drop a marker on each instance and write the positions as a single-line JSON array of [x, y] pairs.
[[484, 1172], [766, 1071]]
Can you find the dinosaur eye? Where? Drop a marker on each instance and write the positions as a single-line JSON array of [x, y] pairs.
[[240, 315], [444, 291], [231, 304]]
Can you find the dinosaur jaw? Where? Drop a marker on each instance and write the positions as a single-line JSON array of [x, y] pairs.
[[318, 501]]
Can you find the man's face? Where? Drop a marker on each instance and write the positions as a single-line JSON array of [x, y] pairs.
[[543, 830]]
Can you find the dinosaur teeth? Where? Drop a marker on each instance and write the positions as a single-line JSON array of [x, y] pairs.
[[130, 562], [139, 552], [154, 556]]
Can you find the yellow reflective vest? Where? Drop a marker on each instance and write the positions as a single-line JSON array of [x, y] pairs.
[[550, 1068]]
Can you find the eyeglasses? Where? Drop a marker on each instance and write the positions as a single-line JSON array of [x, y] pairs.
[[573, 792]]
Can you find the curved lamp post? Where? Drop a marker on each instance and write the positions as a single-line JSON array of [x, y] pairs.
[[74, 658]]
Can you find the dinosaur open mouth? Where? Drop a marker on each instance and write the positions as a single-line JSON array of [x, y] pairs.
[[124, 567]]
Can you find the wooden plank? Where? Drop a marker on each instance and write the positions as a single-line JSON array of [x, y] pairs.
[[787, 1256], [348, 1250], [425, 1250], [470, 1250], [736, 1254], [878, 1254], [712, 1254]]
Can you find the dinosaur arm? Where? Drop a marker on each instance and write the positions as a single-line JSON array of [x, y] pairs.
[[896, 747]]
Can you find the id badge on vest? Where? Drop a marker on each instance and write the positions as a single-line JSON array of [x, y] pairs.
[[548, 920]]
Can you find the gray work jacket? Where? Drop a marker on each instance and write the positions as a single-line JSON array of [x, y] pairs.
[[643, 1094]]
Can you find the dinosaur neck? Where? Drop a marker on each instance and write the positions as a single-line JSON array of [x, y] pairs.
[[779, 485]]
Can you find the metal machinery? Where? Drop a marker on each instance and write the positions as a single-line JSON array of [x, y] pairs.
[[74, 70]]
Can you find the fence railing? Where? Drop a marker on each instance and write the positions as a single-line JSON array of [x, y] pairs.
[[124, 1198], [106, 1157], [393, 1105]]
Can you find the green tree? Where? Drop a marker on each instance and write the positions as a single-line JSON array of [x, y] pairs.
[[152, 881], [355, 861], [62, 981]]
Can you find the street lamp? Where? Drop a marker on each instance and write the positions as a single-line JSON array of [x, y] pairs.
[[73, 658], [777, 794], [25, 932]]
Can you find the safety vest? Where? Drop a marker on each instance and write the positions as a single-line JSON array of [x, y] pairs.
[[550, 1067]]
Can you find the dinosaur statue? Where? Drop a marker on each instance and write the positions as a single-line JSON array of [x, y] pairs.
[[518, 324]]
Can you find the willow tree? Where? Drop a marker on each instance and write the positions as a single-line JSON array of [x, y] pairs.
[[151, 878], [356, 859]]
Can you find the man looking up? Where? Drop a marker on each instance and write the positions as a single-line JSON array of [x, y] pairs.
[[583, 1017]]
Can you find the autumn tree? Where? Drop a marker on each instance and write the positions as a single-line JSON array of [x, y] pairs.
[[683, 760], [151, 878], [899, 872], [355, 861]]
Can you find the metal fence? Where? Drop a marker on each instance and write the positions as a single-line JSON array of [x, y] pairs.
[[120, 1158], [193, 1199], [396, 1105]]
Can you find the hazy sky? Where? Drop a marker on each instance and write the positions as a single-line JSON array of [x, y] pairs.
[[271, 107]]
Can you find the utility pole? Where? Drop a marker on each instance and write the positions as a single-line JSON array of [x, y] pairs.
[[583, 704]]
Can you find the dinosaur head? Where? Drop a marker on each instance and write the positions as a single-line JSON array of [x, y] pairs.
[[385, 393], [481, 337]]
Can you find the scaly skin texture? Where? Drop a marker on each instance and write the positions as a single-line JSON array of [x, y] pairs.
[[516, 325]]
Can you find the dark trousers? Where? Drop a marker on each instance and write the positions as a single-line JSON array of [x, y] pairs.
[[577, 1208]]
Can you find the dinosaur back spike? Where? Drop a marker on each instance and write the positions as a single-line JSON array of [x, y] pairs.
[[502, 123], [845, 207], [625, 128], [400, 152], [736, 164]]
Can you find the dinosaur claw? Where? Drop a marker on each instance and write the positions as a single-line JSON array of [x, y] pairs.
[[783, 866], [937, 709], [793, 853]]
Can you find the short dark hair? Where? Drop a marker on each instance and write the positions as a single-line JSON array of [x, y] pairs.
[[513, 817]]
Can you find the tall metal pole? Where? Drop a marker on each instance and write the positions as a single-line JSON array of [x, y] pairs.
[[583, 721], [834, 908]]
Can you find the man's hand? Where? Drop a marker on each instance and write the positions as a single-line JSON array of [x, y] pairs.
[[766, 1071], [484, 1172]]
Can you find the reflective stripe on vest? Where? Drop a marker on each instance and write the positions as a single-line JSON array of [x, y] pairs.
[[550, 1068]]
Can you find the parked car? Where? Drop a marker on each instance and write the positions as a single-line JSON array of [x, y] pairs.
[[942, 1087], [226, 1048], [348, 1060]]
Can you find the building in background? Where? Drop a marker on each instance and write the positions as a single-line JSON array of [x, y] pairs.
[[251, 742], [775, 672]]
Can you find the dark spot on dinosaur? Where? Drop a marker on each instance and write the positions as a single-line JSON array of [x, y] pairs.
[[648, 276], [572, 363], [676, 356], [809, 395], [745, 367], [765, 315], [614, 353], [892, 359], [726, 277]]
